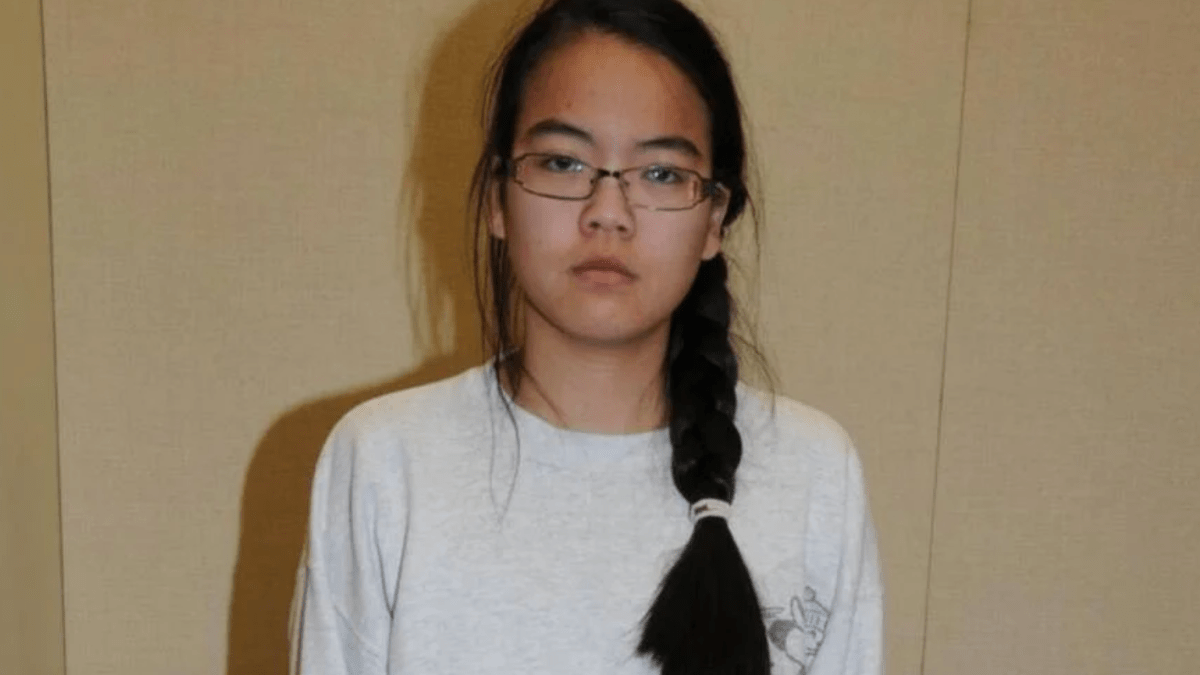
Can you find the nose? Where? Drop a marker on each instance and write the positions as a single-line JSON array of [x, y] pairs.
[[607, 209]]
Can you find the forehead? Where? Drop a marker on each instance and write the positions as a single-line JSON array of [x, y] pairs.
[[618, 91]]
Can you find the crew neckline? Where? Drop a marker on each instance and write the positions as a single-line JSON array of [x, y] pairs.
[[546, 442]]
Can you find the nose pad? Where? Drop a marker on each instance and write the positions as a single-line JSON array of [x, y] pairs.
[[608, 207]]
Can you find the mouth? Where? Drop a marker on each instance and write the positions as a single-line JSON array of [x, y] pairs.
[[604, 269]]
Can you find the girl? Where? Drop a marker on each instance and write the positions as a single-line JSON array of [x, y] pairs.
[[569, 507]]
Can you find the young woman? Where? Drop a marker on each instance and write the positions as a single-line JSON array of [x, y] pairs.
[[569, 506]]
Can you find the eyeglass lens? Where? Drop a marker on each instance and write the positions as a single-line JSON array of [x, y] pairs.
[[655, 186]]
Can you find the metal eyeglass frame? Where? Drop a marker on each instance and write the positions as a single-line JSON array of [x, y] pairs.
[[709, 187]]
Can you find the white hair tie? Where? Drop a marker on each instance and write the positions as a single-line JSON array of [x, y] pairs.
[[709, 508]]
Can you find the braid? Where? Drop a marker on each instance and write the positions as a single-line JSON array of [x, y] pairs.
[[706, 619]]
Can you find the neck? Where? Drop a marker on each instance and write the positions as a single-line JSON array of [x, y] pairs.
[[594, 387]]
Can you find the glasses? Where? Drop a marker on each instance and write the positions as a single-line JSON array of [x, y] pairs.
[[657, 187]]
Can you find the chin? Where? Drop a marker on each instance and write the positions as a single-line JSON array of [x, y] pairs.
[[601, 324], [611, 333]]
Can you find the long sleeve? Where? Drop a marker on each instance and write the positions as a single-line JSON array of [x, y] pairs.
[[853, 642], [343, 604]]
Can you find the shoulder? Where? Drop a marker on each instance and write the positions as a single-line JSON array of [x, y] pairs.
[[434, 414], [441, 407], [784, 426]]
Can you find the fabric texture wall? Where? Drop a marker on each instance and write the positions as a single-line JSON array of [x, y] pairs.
[[258, 222], [31, 621], [1067, 516]]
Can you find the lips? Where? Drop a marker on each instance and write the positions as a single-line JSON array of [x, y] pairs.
[[611, 265]]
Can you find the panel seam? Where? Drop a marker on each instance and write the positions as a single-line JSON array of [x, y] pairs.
[[937, 450], [62, 543]]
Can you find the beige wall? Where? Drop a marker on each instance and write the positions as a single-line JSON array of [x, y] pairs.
[[256, 225], [31, 631], [1068, 513], [854, 113]]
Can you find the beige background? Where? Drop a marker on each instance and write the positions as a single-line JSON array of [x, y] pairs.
[[1068, 505], [979, 253], [31, 637]]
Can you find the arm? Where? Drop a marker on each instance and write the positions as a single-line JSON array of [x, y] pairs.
[[854, 635], [341, 611]]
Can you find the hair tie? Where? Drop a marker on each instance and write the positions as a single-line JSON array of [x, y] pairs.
[[705, 508]]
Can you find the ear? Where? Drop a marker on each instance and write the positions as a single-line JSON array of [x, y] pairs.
[[716, 230], [797, 611], [495, 209]]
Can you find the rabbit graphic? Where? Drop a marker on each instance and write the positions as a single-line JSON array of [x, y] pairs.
[[800, 635]]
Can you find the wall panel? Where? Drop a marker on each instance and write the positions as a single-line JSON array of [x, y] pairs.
[[31, 632], [258, 213], [1067, 518], [854, 110], [234, 270]]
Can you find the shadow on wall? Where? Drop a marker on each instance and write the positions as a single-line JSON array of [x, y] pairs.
[[433, 208]]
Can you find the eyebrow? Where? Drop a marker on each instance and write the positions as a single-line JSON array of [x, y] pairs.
[[552, 126], [677, 143]]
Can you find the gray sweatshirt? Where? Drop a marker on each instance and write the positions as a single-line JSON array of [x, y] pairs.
[[444, 539]]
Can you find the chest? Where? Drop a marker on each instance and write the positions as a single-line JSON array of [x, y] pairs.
[[556, 575]]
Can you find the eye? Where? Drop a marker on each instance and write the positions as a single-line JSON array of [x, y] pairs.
[[663, 174], [560, 164]]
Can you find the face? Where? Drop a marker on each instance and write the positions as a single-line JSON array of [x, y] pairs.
[[600, 270]]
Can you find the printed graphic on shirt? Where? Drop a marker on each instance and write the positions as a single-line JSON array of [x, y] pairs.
[[799, 629]]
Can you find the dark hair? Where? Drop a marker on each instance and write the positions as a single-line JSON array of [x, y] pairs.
[[706, 617]]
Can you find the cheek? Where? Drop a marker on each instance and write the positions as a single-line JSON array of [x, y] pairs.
[[673, 251], [676, 242], [539, 235]]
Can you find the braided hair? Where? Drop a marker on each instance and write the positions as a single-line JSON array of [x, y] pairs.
[[706, 618], [707, 598]]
